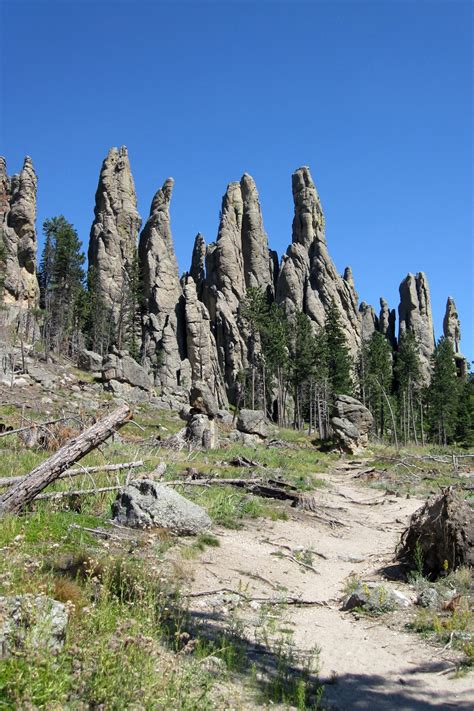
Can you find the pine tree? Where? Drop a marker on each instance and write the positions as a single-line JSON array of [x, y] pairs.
[[61, 279], [465, 416], [302, 366], [254, 312], [339, 361], [376, 378], [443, 393], [409, 386]]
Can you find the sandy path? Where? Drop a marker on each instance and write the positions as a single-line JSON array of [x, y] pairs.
[[373, 666]]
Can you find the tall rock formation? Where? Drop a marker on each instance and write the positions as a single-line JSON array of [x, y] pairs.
[[414, 313], [163, 323], [308, 279], [114, 232], [387, 319], [200, 344], [238, 260], [369, 321], [197, 271], [452, 331], [18, 234], [452, 325]]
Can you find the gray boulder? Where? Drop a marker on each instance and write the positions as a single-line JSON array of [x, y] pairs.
[[252, 422], [144, 504], [89, 360], [33, 621], [375, 598], [201, 431], [201, 399], [124, 369], [351, 423]]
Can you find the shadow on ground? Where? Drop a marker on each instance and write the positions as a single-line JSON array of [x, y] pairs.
[[280, 677]]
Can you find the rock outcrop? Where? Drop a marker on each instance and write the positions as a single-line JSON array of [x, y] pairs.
[[163, 323], [18, 234], [452, 331], [197, 271], [387, 319], [200, 344], [114, 232], [308, 279], [451, 325], [369, 321], [238, 260], [415, 315]]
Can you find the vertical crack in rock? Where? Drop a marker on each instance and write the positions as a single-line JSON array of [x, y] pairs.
[[18, 233]]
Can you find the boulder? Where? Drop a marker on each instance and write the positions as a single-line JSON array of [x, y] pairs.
[[351, 423], [89, 360], [201, 431], [252, 422], [375, 598], [124, 369], [440, 536], [36, 621], [144, 504], [202, 400]]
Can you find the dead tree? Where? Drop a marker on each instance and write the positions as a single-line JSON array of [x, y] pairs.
[[25, 491]]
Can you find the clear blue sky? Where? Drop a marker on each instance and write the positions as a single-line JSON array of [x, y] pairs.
[[376, 97]]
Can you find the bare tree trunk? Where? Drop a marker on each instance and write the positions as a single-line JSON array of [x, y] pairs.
[[25, 491]]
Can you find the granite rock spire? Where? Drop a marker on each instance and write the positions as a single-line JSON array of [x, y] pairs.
[[18, 233], [114, 232]]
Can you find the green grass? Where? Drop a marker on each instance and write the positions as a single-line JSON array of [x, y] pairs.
[[451, 625]]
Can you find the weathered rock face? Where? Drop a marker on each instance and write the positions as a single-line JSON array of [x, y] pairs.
[[387, 322], [200, 344], [114, 232], [18, 233], [238, 260], [308, 279], [145, 504], [163, 324], [351, 423], [451, 325], [415, 315], [369, 321], [197, 271]]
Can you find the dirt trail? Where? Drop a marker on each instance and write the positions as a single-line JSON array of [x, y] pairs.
[[367, 664]]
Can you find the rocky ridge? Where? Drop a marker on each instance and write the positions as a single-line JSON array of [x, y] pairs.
[[192, 328]]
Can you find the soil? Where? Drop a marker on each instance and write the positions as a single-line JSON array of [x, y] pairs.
[[366, 663]]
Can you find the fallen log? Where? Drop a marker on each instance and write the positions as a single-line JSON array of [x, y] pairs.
[[20, 494], [78, 492], [10, 480], [35, 425]]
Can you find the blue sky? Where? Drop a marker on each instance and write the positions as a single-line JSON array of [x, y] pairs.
[[376, 97]]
